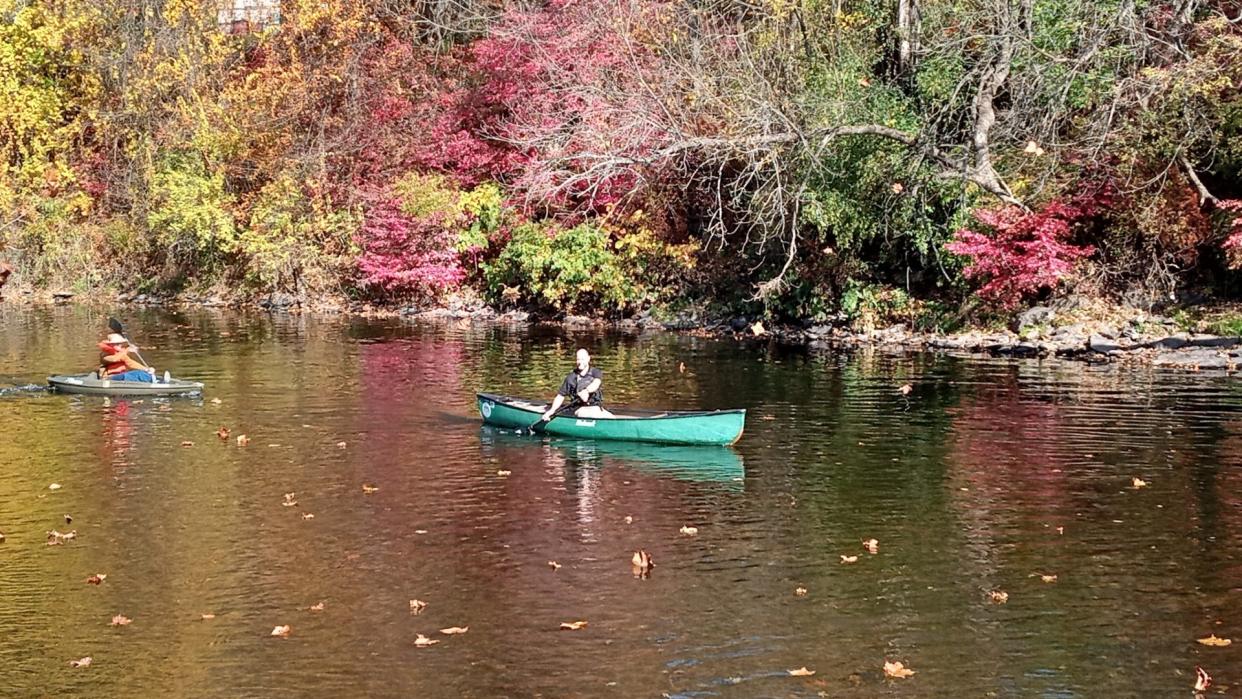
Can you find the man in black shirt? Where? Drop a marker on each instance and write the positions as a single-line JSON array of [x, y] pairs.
[[585, 385]]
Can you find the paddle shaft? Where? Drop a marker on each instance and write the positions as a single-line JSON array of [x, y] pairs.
[[116, 327], [563, 409]]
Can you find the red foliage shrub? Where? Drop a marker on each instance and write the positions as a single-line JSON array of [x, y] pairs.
[[1233, 243], [1026, 252], [402, 256]]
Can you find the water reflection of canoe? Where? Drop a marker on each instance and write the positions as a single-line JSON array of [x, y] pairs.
[[711, 463], [668, 427], [90, 384]]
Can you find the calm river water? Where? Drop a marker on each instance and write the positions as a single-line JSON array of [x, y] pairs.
[[986, 477]]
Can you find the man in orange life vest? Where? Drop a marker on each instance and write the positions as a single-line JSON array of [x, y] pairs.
[[118, 365]]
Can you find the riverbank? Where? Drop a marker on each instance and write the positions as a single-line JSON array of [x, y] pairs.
[[1079, 331]]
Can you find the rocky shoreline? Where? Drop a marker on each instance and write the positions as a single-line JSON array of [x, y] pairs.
[[1139, 337]]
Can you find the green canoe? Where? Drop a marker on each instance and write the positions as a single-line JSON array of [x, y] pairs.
[[667, 427]]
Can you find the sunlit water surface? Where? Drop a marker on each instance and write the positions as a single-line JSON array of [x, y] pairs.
[[987, 476]]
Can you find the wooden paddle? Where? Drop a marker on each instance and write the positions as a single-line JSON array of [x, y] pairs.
[[541, 421]]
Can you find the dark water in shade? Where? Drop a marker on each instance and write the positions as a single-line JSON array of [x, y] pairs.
[[965, 483]]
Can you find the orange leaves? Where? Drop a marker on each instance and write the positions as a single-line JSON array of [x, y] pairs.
[[223, 433], [897, 670], [573, 625], [801, 672], [96, 579], [998, 597], [121, 620], [281, 631], [1215, 642], [1202, 679]]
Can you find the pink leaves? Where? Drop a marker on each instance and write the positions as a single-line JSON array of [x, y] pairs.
[[403, 255], [1025, 252]]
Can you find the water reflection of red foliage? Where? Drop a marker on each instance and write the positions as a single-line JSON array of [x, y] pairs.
[[118, 432]]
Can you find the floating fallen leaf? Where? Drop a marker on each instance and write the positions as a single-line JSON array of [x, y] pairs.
[[1137, 483], [502, 473], [341, 445], [68, 519], [757, 329], [897, 670], [572, 625], [849, 559], [216, 401], [1216, 642], [454, 630], [681, 367], [54, 486], [1, 537], [554, 565], [307, 515], [998, 596], [55, 538], [1060, 530], [223, 433], [289, 501], [315, 607], [905, 389], [97, 579], [187, 443], [872, 546], [629, 519], [206, 617], [281, 631], [1033, 148], [242, 440], [1045, 578], [898, 188], [689, 531], [422, 641], [369, 488], [1202, 679], [81, 662], [121, 620], [800, 592], [801, 672], [417, 605]]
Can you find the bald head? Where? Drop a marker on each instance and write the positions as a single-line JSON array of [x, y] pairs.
[[583, 360]]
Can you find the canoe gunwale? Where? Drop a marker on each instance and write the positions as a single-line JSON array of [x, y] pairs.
[[88, 384], [626, 413]]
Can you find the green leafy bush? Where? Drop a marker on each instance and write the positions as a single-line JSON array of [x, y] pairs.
[[190, 211]]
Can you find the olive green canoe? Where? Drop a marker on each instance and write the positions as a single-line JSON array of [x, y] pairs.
[[91, 384], [666, 427]]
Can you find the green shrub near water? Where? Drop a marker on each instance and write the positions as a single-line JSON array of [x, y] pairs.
[[190, 214]]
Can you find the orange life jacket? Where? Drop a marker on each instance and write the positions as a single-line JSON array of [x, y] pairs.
[[111, 368]]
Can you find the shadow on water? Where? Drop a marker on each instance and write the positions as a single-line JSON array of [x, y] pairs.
[[704, 464]]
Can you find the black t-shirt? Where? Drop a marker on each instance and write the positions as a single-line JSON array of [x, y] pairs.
[[575, 382]]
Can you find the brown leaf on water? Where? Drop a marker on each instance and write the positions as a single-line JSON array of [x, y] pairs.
[[281, 631], [368, 489], [800, 592], [55, 538], [1213, 640], [223, 433], [206, 617], [502, 473], [642, 563], [801, 672], [54, 486], [572, 625], [1137, 483], [1, 537], [307, 515], [629, 519], [905, 389], [81, 662], [97, 579], [187, 443], [121, 620], [341, 445], [688, 530], [896, 669], [998, 596], [848, 559], [242, 440], [289, 501], [681, 367], [68, 519], [554, 565], [1042, 576], [417, 605], [871, 545], [216, 401], [315, 607], [1202, 679], [1061, 530], [454, 630], [422, 641]]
